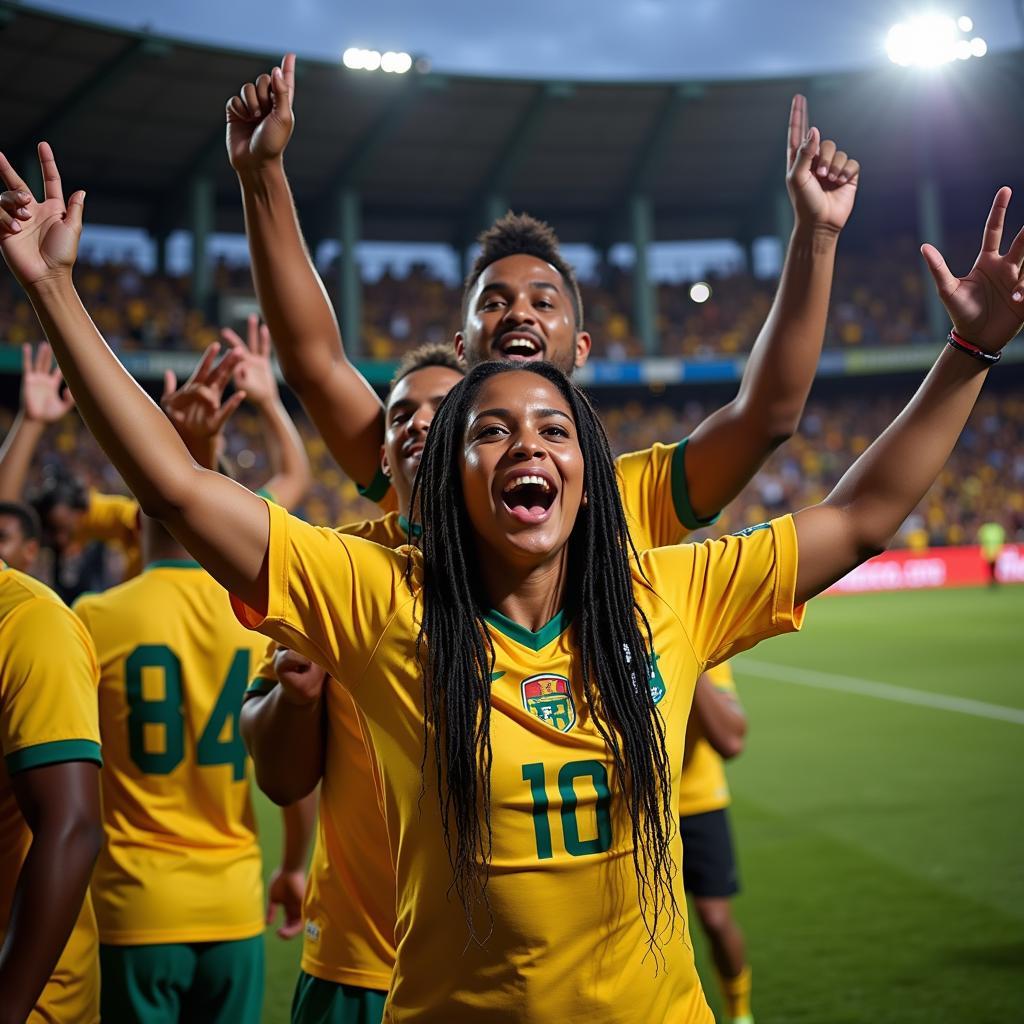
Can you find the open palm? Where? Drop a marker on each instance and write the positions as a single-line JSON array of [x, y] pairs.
[[44, 246], [41, 398], [986, 306]]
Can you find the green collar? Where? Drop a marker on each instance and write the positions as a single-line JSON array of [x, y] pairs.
[[534, 641], [173, 563], [414, 530]]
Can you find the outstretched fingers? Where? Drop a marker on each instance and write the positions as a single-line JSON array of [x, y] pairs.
[[202, 371], [993, 235], [11, 178], [1016, 251], [226, 410], [51, 176], [797, 127], [806, 155], [944, 280]]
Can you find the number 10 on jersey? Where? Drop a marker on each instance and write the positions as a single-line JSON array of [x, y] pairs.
[[575, 846]]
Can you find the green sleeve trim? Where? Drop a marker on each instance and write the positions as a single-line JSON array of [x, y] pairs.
[[53, 753], [266, 495], [259, 687], [681, 491], [377, 487]]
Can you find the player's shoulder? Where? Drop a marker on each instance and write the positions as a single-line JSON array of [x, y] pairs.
[[32, 613], [17, 587], [389, 531]]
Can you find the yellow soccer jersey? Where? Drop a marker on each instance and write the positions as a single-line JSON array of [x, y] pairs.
[[558, 949], [181, 861], [114, 519], [349, 909], [655, 496], [702, 786], [48, 678]]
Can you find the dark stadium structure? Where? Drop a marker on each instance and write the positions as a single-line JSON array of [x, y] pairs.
[[135, 119]]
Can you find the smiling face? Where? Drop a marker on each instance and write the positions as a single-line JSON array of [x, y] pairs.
[[521, 308], [522, 468], [410, 411]]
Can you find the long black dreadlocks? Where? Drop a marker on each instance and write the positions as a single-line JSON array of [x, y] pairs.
[[455, 650]]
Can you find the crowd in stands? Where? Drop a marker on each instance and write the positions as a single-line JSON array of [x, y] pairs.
[[878, 299], [984, 479]]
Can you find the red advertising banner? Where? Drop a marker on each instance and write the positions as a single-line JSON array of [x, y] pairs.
[[931, 569]]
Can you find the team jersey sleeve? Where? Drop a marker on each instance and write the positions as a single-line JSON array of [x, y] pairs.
[[380, 491], [329, 596], [733, 592], [49, 681], [110, 517], [655, 497], [264, 677]]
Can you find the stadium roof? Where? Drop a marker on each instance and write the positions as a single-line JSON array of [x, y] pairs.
[[134, 118]]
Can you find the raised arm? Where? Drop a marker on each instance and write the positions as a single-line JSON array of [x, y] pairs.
[[343, 407], [728, 447], [42, 403], [291, 476], [866, 508], [224, 526]]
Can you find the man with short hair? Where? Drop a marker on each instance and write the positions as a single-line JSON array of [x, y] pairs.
[[20, 535]]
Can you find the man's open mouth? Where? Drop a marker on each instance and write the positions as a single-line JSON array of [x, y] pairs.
[[520, 345]]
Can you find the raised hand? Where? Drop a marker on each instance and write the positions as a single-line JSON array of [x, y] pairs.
[[42, 400], [986, 306], [302, 682], [820, 178], [260, 119], [196, 409], [253, 373], [42, 245]]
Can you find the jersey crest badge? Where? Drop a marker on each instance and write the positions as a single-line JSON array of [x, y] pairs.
[[657, 681], [549, 698]]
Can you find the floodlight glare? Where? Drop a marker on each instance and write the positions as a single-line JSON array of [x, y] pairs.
[[392, 62], [700, 292], [932, 40]]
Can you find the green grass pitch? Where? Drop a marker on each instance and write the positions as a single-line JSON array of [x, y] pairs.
[[881, 841]]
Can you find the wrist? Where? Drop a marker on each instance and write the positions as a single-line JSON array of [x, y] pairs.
[[57, 285], [258, 176], [807, 229], [29, 425]]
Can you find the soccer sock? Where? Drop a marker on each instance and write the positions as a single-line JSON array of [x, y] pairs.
[[737, 993]]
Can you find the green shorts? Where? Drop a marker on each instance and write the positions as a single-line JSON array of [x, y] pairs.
[[327, 1002], [194, 982]]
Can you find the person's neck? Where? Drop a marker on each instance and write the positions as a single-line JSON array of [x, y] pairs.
[[159, 546], [530, 595]]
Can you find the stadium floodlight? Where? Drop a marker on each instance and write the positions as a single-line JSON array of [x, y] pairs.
[[700, 291], [391, 62], [932, 40]]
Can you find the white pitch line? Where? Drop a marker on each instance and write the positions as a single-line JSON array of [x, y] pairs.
[[883, 691]]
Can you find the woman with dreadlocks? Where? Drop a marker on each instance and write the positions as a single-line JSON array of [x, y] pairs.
[[526, 677]]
